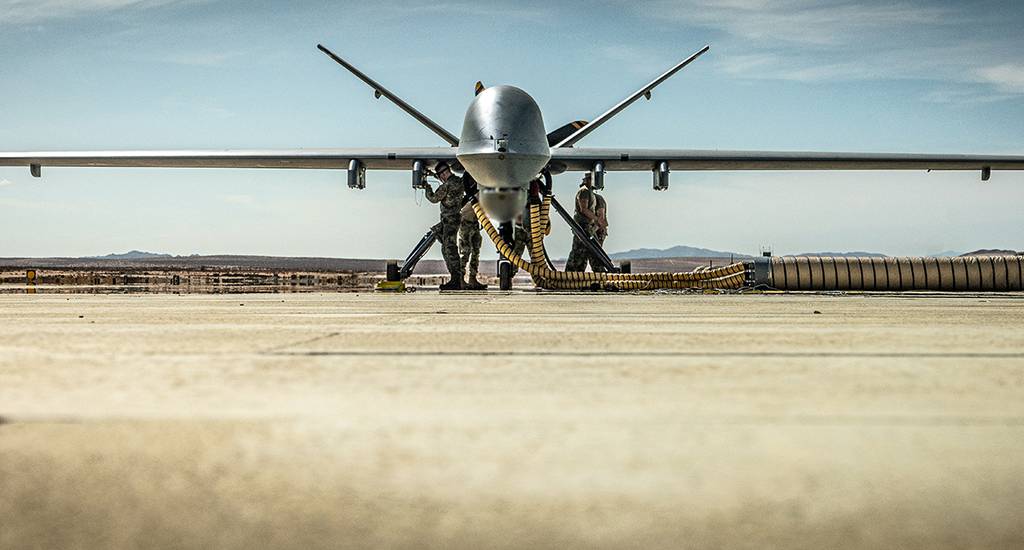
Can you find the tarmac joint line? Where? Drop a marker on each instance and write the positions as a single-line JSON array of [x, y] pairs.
[[282, 351]]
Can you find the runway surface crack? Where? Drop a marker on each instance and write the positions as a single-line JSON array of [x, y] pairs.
[[282, 350]]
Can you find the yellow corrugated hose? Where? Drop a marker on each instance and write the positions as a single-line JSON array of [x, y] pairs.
[[965, 273], [727, 277]]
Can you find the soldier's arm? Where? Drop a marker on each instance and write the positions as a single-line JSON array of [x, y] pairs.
[[434, 196]]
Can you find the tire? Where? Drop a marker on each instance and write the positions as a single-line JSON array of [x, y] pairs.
[[505, 275]]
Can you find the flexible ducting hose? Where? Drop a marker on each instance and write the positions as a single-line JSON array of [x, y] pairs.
[[731, 276], [969, 273]]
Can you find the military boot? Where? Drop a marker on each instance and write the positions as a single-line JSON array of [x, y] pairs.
[[454, 284], [472, 283]]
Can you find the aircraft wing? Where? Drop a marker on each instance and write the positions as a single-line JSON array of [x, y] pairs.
[[565, 156], [398, 158], [625, 159]]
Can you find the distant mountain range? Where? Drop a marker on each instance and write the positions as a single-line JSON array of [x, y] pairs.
[[674, 252], [132, 255], [675, 258], [856, 254], [696, 252], [994, 252]]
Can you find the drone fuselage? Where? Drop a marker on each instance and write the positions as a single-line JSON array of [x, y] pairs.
[[503, 146]]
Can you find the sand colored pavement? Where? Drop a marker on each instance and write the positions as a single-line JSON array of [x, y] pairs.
[[511, 420]]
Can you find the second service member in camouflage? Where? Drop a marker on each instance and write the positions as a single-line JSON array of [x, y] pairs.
[[586, 217], [520, 238], [449, 194], [469, 247], [601, 231]]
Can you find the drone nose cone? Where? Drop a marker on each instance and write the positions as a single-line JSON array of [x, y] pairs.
[[504, 111], [504, 143]]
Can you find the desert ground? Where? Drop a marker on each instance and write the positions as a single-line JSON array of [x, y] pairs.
[[511, 420]]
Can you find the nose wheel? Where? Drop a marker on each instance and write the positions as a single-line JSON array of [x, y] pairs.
[[505, 275]]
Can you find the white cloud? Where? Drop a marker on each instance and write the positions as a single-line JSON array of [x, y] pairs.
[[843, 40], [964, 96], [5, 182], [799, 21], [634, 59], [30, 11], [773, 66], [745, 64], [472, 9], [1007, 78]]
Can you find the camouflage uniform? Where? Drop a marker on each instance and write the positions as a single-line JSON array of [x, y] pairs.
[[469, 243], [579, 255], [520, 238], [602, 212], [449, 194], [600, 233]]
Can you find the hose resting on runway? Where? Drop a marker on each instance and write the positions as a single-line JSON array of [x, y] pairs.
[[731, 276], [964, 273]]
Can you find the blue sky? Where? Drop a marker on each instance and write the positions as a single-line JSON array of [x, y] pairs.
[[938, 77]]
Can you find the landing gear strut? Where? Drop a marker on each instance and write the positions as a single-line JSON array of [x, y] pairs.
[[604, 263], [506, 231], [396, 273]]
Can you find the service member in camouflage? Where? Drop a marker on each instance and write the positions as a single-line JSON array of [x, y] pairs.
[[520, 238], [469, 247], [586, 217], [449, 194], [600, 231]]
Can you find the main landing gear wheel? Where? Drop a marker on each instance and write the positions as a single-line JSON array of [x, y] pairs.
[[505, 275]]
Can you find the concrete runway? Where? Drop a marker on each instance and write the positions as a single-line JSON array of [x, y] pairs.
[[511, 421]]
